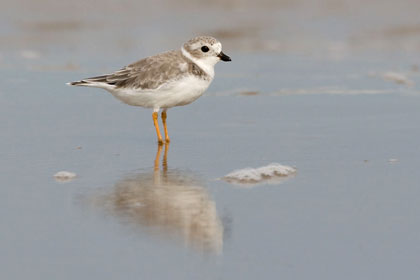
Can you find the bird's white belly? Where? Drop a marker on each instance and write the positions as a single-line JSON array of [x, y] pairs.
[[177, 93]]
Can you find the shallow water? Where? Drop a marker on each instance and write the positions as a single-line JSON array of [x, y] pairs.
[[306, 88]]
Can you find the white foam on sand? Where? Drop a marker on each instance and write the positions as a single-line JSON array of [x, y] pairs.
[[398, 78], [29, 54], [273, 173], [64, 176]]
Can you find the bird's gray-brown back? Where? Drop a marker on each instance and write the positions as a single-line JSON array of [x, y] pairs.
[[152, 72]]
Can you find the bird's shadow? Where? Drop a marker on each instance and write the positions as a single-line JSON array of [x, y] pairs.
[[168, 203]]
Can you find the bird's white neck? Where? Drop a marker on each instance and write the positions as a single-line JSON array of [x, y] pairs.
[[207, 63]]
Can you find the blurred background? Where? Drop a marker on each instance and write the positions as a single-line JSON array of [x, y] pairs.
[[327, 86], [90, 37], [66, 32]]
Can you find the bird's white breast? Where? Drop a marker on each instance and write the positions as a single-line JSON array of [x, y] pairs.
[[175, 93]]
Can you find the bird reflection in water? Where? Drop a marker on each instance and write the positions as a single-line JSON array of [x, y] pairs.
[[168, 202]]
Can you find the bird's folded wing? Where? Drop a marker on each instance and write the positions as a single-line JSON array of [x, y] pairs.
[[149, 73]]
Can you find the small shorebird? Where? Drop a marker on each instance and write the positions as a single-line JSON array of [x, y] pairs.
[[166, 80]]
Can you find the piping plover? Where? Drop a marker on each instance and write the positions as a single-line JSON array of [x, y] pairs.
[[169, 79]]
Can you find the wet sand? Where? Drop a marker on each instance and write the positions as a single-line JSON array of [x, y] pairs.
[[322, 86]]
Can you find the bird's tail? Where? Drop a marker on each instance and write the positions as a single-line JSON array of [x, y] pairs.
[[77, 83], [99, 81]]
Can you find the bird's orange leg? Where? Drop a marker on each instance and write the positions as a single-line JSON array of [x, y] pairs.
[[167, 140], [155, 122]]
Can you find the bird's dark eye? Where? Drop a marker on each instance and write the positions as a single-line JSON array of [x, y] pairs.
[[205, 49]]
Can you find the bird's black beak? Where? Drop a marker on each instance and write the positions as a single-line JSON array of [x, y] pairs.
[[223, 57]]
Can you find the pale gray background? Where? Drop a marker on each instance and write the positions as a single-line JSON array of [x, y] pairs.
[[321, 105]]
